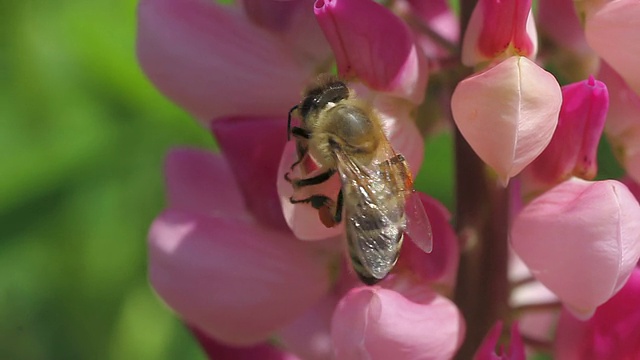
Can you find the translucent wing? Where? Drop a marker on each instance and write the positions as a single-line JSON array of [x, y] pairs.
[[374, 215], [418, 225]]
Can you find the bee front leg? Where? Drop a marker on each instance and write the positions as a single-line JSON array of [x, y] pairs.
[[318, 179]]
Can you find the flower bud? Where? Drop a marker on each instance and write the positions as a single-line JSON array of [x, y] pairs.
[[581, 240], [574, 146], [373, 45], [498, 30], [380, 324], [508, 113]]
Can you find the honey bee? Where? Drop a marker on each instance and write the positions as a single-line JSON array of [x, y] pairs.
[[345, 135]]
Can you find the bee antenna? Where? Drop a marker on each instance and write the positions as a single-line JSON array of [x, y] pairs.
[[289, 122]]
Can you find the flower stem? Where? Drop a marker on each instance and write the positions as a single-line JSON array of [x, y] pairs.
[[482, 287]]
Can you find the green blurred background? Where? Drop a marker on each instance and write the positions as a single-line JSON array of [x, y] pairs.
[[82, 140]]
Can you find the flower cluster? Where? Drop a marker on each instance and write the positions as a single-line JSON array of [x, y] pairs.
[[255, 276]]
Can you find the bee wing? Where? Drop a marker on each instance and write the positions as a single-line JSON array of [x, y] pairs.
[[418, 224], [374, 226]]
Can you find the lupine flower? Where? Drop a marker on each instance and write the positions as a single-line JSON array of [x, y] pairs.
[[572, 150], [581, 251], [254, 276], [508, 113], [611, 333], [515, 350]]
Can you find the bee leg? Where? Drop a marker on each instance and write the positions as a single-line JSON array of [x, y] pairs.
[[318, 179], [300, 133], [301, 150], [316, 201], [337, 217]]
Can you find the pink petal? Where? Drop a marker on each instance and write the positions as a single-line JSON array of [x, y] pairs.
[[508, 113], [219, 351], [439, 17], [441, 265], [374, 45], [498, 30], [376, 323], [580, 239], [213, 62], [558, 20], [612, 31], [232, 278], [487, 350], [309, 336], [276, 15], [574, 146], [194, 182], [253, 147], [623, 125], [612, 332]]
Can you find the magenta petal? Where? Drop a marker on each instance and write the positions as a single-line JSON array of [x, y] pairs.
[[252, 147], [236, 281], [612, 332], [441, 264], [201, 182], [376, 323], [581, 240], [219, 351], [498, 30], [574, 145], [374, 45], [214, 62]]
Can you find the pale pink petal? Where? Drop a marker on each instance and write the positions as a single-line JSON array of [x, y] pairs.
[[613, 32], [508, 113], [612, 333], [219, 351], [212, 61], [374, 45], [580, 239], [498, 30], [252, 147], [376, 323], [233, 279], [303, 219], [623, 121], [574, 146], [194, 181], [441, 265], [487, 350]]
